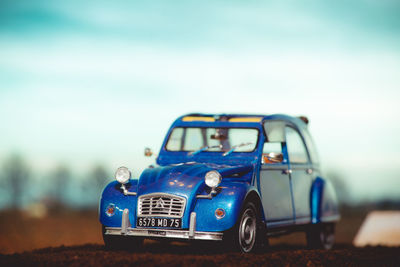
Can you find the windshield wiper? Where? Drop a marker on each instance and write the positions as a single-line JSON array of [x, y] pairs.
[[203, 149], [236, 146]]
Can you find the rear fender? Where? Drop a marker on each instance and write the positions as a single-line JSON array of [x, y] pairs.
[[324, 206]]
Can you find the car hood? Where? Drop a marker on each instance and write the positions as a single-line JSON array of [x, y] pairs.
[[186, 179]]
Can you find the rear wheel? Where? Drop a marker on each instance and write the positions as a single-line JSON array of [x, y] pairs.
[[117, 242], [321, 236]]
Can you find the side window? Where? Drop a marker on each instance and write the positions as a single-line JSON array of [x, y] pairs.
[[274, 147], [296, 149], [275, 131]]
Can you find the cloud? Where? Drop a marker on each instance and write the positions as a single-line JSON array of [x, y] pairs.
[[355, 24]]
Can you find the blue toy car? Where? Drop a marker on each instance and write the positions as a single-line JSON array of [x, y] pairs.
[[229, 178]]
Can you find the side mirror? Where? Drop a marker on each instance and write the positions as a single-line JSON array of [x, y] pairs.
[[148, 152], [271, 158]]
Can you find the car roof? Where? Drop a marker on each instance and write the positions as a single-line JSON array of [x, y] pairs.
[[249, 120]]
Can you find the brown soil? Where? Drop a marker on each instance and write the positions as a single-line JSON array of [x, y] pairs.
[[158, 254], [62, 239], [20, 232]]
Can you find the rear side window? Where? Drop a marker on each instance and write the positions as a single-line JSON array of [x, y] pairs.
[[296, 149], [311, 147]]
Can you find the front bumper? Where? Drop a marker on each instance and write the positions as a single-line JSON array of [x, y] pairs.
[[178, 234], [127, 230]]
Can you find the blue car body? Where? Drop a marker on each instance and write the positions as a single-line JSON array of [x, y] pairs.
[[289, 194]]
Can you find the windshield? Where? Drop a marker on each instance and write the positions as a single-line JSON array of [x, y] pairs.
[[212, 139]]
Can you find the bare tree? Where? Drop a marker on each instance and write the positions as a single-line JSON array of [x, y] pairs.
[[99, 177], [16, 175], [60, 180], [94, 184]]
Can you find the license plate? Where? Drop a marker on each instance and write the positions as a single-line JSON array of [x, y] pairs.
[[151, 222]]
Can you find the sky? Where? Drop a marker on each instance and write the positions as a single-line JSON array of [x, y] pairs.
[[88, 82]]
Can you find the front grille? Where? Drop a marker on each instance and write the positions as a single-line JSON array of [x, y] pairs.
[[161, 205]]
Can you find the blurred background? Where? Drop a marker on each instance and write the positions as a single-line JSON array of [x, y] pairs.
[[86, 85]]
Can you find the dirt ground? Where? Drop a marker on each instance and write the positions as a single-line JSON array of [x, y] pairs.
[[71, 238], [159, 254]]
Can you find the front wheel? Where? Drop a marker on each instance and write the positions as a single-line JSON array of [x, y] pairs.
[[321, 236], [247, 234]]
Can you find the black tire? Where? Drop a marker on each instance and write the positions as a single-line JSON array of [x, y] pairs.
[[115, 242], [247, 235], [321, 236]]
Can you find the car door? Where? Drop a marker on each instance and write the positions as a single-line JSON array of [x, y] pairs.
[[275, 185], [300, 174]]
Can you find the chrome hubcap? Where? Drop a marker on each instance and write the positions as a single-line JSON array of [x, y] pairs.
[[247, 230]]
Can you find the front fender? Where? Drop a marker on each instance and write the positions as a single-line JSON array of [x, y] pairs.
[[230, 198], [112, 194]]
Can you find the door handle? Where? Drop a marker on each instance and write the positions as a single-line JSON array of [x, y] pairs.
[[309, 171], [287, 171]]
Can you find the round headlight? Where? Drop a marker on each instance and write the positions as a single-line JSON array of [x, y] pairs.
[[122, 175], [213, 179]]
